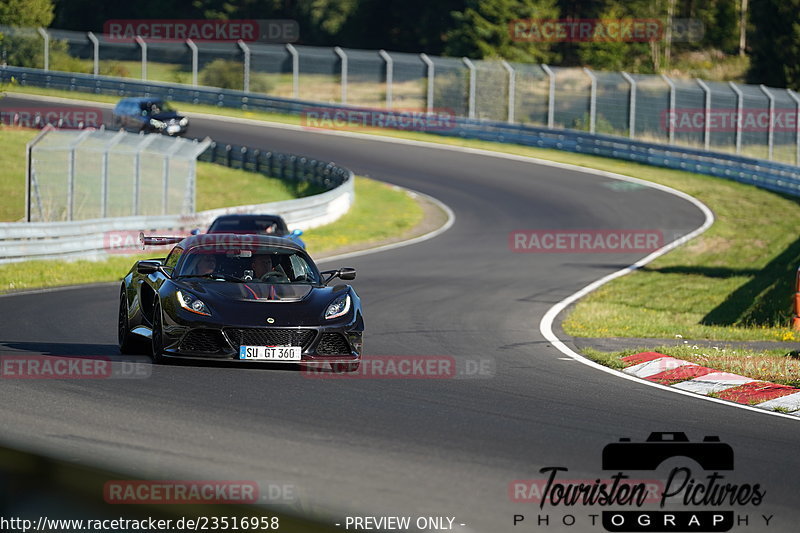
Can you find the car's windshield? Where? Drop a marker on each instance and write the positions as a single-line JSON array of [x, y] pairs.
[[157, 107], [250, 263], [266, 226]]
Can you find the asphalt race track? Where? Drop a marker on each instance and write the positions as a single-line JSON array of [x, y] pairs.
[[415, 447]]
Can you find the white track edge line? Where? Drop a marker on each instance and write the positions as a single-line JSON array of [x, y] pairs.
[[547, 321], [451, 219]]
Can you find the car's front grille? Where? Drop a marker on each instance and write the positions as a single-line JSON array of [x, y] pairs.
[[333, 344], [270, 337], [203, 341]]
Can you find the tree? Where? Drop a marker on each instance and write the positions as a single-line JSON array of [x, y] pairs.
[[775, 43], [484, 30], [626, 55], [26, 13]]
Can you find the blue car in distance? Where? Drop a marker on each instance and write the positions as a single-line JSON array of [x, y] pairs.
[[150, 115], [272, 225]]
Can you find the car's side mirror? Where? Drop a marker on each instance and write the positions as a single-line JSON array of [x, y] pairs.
[[297, 232], [149, 267], [195, 231], [347, 273], [344, 273]]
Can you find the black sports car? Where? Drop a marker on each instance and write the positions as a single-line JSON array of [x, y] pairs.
[[240, 298]]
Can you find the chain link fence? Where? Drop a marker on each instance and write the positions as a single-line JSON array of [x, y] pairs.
[[743, 119], [91, 174]]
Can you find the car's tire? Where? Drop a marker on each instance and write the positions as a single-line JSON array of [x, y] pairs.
[[346, 367], [157, 337], [128, 344]]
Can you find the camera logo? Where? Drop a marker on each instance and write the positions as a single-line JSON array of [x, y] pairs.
[[710, 454]]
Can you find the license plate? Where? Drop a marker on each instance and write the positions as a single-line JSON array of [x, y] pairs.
[[173, 128], [270, 353]]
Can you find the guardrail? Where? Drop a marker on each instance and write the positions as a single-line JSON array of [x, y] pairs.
[[779, 177], [21, 241]]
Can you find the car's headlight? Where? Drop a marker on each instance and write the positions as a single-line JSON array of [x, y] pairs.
[[184, 121], [192, 303], [157, 123], [339, 307]]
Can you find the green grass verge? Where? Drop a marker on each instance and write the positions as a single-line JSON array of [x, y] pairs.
[[219, 186], [776, 366], [395, 208], [733, 283], [12, 179]]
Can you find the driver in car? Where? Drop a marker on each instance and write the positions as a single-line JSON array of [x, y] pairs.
[[263, 268], [206, 264]]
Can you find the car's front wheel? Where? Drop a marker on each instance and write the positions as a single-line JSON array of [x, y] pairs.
[[127, 343]]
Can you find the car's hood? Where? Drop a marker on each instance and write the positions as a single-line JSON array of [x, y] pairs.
[[167, 116], [255, 304]]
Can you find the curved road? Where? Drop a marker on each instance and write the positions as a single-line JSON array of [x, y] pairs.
[[438, 447]]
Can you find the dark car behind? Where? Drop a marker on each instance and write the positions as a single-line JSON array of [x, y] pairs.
[[150, 115], [273, 225]]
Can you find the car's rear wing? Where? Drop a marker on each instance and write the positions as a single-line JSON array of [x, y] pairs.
[[153, 240]]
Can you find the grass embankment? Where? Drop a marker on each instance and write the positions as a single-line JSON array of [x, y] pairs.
[[380, 211], [733, 283]]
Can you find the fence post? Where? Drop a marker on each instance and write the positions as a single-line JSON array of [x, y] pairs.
[[30, 170], [193, 48], [739, 104], [176, 145], [431, 75], [137, 175], [551, 97], [96, 52], [796, 99], [46, 38], [389, 75], [771, 126], [343, 72], [512, 86], [73, 146], [707, 113], [104, 186], [632, 104], [246, 52], [189, 199], [592, 100], [143, 46], [671, 116], [473, 79], [295, 70]]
